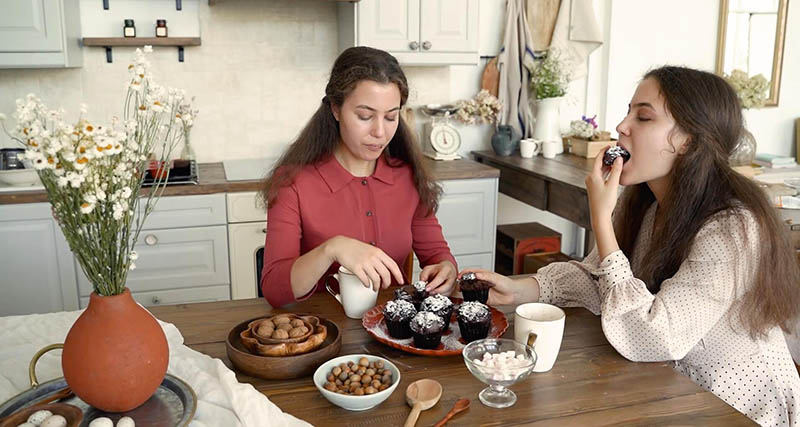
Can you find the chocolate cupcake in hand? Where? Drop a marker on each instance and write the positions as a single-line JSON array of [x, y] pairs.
[[427, 329], [614, 152], [474, 289]]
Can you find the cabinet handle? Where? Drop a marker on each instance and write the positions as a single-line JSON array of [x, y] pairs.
[[414, 45], [150, 239], [264, 230], [156, 300], [426, 45]]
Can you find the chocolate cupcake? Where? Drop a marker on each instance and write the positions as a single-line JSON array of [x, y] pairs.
[[415, 293], [402, 294], [474, 320], [474, 289], [427, 329], [439, 305], [398, 314], [612, 153]]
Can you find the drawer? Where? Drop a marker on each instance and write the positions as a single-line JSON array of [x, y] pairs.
[[176, 258], [246, 207], [484, 261], [467, 213], [186, 211], [177, 296]]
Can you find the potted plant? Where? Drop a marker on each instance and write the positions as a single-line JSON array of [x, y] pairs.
[[115, 354], [585, 140], [548, 82]]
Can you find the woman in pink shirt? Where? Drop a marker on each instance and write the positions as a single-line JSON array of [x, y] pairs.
[[352, 190]]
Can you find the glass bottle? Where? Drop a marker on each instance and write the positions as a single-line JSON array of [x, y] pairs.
[[187, 152], [129, 29], [745, 151], [161, 28]]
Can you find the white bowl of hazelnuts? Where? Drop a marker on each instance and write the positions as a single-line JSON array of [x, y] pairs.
[[357, 382]]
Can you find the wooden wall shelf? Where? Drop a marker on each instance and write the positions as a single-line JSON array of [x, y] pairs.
[[109, 42], [141, 41], [213, 2]]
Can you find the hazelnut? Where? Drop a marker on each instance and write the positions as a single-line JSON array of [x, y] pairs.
[[363, 361], [370, 390], [329, 386], [336, 370], [366, 379], [359, 391], [355, 378], [370, 372]]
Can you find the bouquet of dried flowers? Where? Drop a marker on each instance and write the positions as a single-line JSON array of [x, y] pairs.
[[93, 173], [549, 76], [752, 91], [483, 108]]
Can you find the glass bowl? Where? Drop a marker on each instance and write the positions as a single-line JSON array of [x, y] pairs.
[[498, 377]]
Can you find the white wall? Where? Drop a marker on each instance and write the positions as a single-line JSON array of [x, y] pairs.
[[644, 35]]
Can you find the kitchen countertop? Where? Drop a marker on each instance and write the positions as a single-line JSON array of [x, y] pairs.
[[212, 180]]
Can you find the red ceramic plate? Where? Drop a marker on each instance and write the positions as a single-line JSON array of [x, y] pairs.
[[451, 345]]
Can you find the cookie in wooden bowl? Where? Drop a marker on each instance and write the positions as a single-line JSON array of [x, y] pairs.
[[283, 328]]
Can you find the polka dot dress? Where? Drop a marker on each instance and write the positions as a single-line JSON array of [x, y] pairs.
[[692, 320]]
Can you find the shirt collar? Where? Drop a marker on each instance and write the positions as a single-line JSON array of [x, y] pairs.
[[337, 177]]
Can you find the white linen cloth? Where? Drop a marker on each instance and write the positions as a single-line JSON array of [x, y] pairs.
[[515, 61], [222, 400], [576, 35]]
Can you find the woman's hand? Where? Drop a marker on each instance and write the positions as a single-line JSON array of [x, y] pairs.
[[603, 190], [441, 277], [367, 262], [505, 290]]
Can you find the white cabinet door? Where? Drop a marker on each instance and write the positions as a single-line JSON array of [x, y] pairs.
[[448, 26], [467, 213], [177, 258], [390, 25], [40, 34], [30, 25], [37, 274]]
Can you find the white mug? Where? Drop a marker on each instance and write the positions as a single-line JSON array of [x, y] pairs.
[[354, 296], [550, 149], [529, 147], [540, 326]]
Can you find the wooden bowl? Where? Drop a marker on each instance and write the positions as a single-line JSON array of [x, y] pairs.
[[73, 414], [282, 367], [308, 321]]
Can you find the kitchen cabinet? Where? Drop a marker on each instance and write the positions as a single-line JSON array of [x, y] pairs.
[[247, 232], [468, 216], [183, 253], [416, 32], [40, 34], [37, 272]]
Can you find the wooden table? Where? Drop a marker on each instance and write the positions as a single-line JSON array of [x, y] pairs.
[[589, 384]]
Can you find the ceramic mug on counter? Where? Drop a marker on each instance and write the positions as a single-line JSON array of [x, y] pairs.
[[529, 147], [354, 296], [550, 149], [540, 326]]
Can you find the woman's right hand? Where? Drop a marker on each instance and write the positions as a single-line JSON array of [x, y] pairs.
[[504, 290], [367, 262]]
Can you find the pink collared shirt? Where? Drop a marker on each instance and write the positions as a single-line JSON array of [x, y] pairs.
[[325, 200]]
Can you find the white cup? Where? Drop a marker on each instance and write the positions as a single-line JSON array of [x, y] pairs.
[[529, 147], [550, 149], [354, 295], [543, 324]]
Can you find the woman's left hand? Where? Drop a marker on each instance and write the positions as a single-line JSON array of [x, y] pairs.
[[441, 277], [602, 190]]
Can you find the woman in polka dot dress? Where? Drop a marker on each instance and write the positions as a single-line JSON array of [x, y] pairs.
[[695, 266]]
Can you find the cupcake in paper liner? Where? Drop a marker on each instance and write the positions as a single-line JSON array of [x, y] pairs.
[[398, 315], [427, 328], [441, 306], [474, 289], [474, 320]]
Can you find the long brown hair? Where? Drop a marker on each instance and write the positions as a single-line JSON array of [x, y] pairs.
[[702, 183], [320, 136]]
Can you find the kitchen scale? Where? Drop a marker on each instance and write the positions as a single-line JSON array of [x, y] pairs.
[[440, 139]]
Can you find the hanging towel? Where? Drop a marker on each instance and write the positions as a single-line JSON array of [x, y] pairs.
[[514, 61], [576, 35]]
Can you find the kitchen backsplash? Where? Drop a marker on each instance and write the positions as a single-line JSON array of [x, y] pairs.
[[257, 77]]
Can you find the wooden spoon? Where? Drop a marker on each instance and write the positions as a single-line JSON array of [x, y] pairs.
[[421, 395], [460, 405]]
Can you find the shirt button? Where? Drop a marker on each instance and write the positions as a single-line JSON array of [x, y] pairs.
[[363, 182], [369, 213]]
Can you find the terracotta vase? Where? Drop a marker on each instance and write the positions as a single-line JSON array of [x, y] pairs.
[[116, 354]]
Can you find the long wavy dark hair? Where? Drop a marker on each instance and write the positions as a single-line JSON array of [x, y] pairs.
[[320, 136], [702, 184]]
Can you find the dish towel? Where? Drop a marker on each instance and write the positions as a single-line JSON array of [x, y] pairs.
[[576, 35], [222, 400], [514, 61]]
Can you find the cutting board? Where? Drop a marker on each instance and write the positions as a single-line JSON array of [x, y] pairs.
[[490, 79]]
